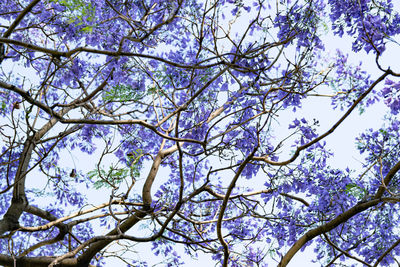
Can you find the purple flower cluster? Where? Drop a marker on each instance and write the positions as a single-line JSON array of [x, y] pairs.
[[371, 29], [391, 95], [349, 83], [300, 23]]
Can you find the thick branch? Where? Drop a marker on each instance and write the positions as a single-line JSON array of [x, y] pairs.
[[21, 15], [342, 218], [387, 180], [225, 204], [9, 261], [138, 215]]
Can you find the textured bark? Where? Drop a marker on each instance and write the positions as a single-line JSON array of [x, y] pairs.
[[19, 200], [9, 261]]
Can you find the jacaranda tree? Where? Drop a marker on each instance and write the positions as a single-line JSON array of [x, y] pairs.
[[175, 113]]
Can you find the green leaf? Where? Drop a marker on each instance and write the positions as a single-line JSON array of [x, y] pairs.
[[88, 29], [355, 190], [114, 176], [111, 178], [123, 93], [78, 11]]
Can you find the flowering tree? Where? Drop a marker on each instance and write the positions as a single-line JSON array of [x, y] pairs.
[[177, 108]]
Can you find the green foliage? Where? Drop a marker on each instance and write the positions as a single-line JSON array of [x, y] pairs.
[[79, 12], [165, 78], [355, 190], [113, 177], [124, 93], [108, 178]]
